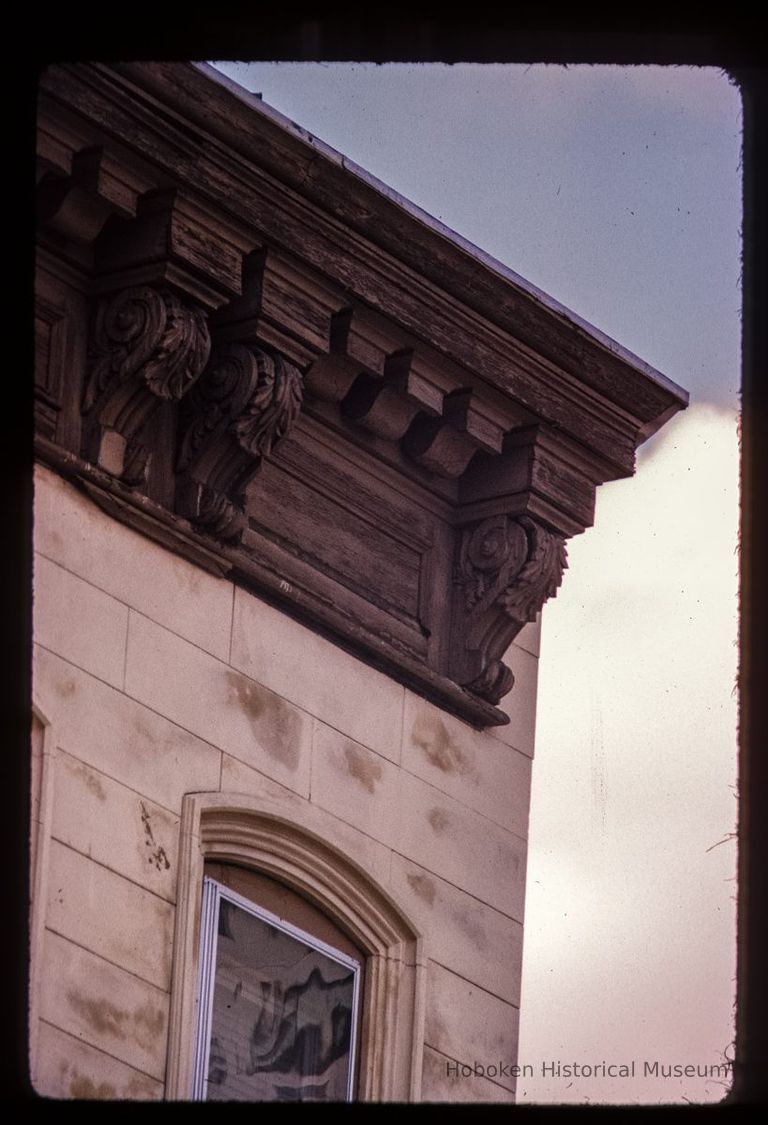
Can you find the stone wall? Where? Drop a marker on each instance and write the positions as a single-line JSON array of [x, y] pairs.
[[152, 680]]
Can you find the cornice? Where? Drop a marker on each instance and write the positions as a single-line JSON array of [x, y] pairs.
[[260, 168], [258, 356]]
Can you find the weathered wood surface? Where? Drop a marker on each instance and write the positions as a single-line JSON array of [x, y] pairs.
[[391, 268]]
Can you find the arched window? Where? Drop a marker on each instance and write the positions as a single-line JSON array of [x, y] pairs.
[[280, 995], [295, 976]]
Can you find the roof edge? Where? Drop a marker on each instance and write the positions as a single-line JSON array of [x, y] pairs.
[[441, 230]]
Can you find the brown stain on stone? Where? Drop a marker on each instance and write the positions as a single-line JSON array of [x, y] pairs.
[[162, 741], [102, 1015], [362, 767], [143, 1088], [95, 786], [149, 1020], [82, 1087], [439, 819], [424, 887], [430, 735], [143, 730], [65, 688], [247, 693], [146, 1024], [467, 922], [435, 1029], [276, 724], [86, 774], [148, 745]]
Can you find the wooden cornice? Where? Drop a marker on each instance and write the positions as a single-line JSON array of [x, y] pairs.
[[254, 165], [359, 414]]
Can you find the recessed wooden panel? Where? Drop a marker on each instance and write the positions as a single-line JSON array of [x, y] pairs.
[[50, 345], [321, 529]]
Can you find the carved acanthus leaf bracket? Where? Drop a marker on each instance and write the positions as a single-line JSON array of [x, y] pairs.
[[507, 568], [244, 404], [147, 346]]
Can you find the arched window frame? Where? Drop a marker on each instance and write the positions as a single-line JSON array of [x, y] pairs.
[[42, 767], [256, 833]]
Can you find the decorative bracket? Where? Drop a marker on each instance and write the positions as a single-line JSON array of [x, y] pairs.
[[446, 445], [245, 403], [507, 568], [77, 206], [147, 346]]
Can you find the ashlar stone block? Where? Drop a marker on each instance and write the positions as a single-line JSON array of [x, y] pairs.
[[460, 845], [372, 856], [419, 822], [470, 1025], [79, 622], [317, 675], [104, 1006], [218, 703], [110, 916], [469, 765], [520, 704], [464, 935], [73, 531], [67, 1067], [440, 1082], [120, 737], [359, 786], [114, 825]]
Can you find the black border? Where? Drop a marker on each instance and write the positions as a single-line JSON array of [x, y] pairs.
[[277, 31]]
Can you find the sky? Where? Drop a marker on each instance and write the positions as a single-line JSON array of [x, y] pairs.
[[616, 190]]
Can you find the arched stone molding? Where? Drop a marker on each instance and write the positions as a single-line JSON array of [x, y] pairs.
[[256, 833], [42, 765]]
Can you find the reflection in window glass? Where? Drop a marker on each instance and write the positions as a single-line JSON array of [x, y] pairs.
[[278, 1008]]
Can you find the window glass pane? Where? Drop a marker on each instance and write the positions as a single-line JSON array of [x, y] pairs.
[[282, 1015]]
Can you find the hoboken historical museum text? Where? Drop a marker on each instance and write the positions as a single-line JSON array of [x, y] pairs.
[[554, 1068]]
